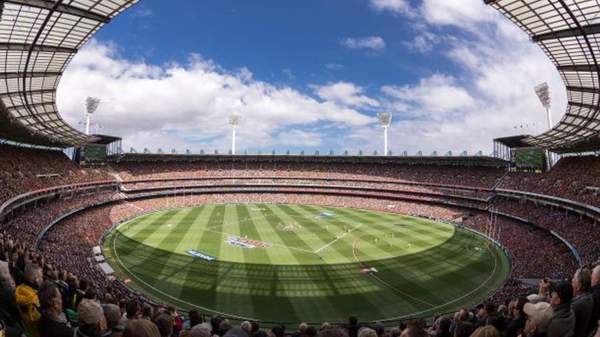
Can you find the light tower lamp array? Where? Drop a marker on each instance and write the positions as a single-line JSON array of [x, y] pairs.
[[234, 122], [385, 120], [543, 93], [91, 105]]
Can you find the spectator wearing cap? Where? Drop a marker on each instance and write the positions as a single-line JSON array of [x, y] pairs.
[[92, 322], [53, 322], [26, 296], [583, 303], [596, 295], [539, 316], [563, 320]]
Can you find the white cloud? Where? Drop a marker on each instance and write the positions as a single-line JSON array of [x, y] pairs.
[[424, 42], [345, 94], [295, 137], [369, 42], [396, 6], [432, 97], [490, 94], [456, 12], [188, 105]]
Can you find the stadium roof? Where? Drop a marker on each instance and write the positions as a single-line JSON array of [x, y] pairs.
[[569, 33], [513, 141], [38, 38]]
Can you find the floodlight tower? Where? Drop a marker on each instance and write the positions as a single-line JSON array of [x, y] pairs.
[[234, 122], [91, 104], [543, 93], [385, 119]]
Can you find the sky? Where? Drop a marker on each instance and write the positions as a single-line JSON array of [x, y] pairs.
[[311, 75]]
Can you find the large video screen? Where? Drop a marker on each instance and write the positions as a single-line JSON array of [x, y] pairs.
[[94, 154], [530, 158]]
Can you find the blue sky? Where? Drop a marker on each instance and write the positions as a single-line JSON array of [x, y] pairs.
[[288, 42], [311, 75]]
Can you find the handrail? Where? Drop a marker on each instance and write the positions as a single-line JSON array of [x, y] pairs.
[[392, 181], [592, 212], [45, 192], [179, 188]]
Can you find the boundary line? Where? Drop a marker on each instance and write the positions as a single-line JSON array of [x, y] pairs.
[[454, 300], [338, 238], [138, 279], [390, 319]]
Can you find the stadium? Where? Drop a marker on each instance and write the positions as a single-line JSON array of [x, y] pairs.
[[97, 241]]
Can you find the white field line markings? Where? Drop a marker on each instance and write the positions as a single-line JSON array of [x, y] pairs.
[[484, 284], [355, 248], [139, 279], [338, 238], [270, 243]]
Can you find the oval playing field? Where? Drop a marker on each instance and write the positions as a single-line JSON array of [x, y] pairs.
[[292, 263]]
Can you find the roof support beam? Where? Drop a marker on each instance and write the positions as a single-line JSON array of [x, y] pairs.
[[584, 89], [569, 32], [37, 48], [62, 8], [580, 127], [584, 105], [31, 92], [579, 67], [13, 75], [32, 106]]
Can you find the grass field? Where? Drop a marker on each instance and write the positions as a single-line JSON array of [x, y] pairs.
[[292, 263]]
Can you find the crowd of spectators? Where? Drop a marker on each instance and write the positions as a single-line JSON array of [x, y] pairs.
[[41, 299], [573, 178], [580, 231], [28, 224], [55, 294], [519, 239], [390, 185], [28, 169], [475, 176]]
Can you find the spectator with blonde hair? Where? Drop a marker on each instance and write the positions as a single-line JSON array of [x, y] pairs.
[[26, 296], [485, 331]]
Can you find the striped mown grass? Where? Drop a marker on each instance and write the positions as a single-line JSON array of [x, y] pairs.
[[307, 262]]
